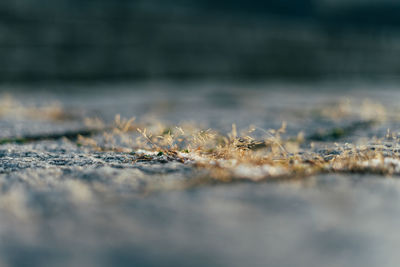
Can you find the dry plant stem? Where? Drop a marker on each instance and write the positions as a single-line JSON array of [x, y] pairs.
[[234, 156], [229, 158]]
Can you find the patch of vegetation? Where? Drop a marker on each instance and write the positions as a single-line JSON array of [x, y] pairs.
[[340, 132], [10, 107], [239, 155], [13, 140]]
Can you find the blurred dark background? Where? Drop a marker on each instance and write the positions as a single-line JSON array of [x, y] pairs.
[[44, 40]]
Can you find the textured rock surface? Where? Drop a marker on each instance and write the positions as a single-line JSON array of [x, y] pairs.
[[68, 205]]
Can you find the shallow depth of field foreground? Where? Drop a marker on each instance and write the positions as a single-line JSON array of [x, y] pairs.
[[274, 175]]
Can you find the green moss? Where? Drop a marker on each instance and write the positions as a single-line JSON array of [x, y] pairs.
[[13, 140]]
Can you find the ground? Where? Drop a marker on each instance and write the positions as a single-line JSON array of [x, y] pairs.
[[81, 187]]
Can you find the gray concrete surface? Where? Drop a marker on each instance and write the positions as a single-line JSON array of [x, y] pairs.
[[68, 205]]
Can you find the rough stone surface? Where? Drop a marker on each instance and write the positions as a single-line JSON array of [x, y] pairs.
[[67, 205]]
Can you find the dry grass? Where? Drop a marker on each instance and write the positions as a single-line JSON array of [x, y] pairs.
[[238, 155], [345, 108], [10, 107]]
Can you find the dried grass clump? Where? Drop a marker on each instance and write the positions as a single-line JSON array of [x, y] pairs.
[[367, 110], [236, 155], [10, 107], [241, 156]]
